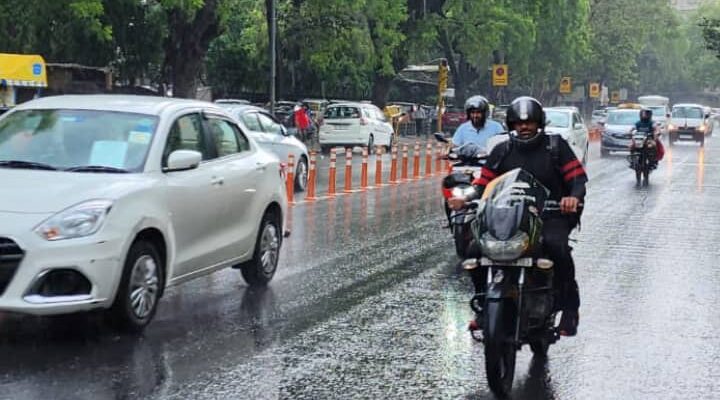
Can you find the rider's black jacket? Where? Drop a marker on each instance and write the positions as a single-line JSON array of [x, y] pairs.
[[555, 167]]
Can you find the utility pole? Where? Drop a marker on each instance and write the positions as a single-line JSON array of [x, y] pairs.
[[273, 54]]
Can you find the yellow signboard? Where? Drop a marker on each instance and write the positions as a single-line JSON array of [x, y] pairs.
[[442, 77], [615, 96], [22, 70], [565, 85], [594, 90], [500, 75]]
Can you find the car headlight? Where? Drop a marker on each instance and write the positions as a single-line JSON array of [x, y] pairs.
[[701, 128], [463, 191], [81, 220], [504, 250], [671, 127]]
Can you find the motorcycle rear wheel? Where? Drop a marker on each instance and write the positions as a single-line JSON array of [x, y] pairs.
[[500, 351]]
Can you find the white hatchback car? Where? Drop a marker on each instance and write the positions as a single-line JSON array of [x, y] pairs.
[[354, 124], [274, 137], [567, 122], [108, 199]]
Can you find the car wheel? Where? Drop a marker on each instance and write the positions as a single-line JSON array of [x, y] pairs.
[[140, 287], [301, 175], [261, 268]]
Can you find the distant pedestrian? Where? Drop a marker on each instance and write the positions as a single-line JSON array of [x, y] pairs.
[[420, 117], [302, 122]]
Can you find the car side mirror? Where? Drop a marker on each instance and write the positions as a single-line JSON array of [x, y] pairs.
[[181, 160], [284, 130], [578, 125]]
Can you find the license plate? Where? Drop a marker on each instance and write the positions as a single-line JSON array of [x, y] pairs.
[[525, 262], [686, 136]]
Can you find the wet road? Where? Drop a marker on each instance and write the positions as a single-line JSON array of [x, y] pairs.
[[368, 303]]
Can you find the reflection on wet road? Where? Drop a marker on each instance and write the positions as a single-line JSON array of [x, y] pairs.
[[369, 303]]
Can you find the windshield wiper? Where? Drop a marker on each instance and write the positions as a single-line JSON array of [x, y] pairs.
[[25, 165], [97, 168]]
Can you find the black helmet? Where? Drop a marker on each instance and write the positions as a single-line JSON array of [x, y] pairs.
[[526, 109], [479, 103], [645, 114]]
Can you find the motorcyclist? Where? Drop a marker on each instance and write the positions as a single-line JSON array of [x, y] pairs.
[[647, 126], [478, 128], [563, 174]]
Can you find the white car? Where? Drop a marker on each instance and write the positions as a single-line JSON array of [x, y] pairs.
[[567, 122], [274, 137], [688, 122], [107, 200], [354, 124]]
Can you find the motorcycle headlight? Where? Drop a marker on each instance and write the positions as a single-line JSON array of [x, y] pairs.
[[466, 191], [504, 250], [77, 221]]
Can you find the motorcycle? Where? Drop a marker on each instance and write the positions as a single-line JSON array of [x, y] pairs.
[[643, 156], [518, 304], [466, 164]]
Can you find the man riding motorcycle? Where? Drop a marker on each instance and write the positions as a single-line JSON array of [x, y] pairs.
[[551, 160], [478, 128], [647, 126]]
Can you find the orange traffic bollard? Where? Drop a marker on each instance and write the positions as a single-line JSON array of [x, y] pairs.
[[331, 183], [312, 175], [290, 184], [438, 159], [364, 170], [378, 167], [348, 170], [416, 161], [404, 176], [393, 166], [428, 160]]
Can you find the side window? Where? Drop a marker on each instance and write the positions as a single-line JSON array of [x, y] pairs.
[[243, 142], [576, 119], [186, 133], [269, 125], [250, 120], [224, 136]]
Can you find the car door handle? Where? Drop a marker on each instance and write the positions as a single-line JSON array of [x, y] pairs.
[[217, 180]]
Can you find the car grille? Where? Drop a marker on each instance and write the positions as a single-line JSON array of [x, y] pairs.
[[10, 256]]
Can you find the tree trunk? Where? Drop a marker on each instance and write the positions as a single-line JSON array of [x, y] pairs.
[[380, 90], [187, 44]]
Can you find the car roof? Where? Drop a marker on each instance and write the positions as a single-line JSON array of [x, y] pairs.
[[244, 108], [349, 103], [115, 102], [231, 101], [688, 105], [566, 109]]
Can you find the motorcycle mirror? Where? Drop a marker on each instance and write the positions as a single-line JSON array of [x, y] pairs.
[[440, 137]]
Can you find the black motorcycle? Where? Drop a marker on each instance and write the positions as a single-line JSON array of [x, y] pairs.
[[466, 164], [518, 305], [643, 156]]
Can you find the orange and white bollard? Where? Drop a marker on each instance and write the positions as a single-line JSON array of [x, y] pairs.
[[364, 170], [348, 170], [290, 183], [393, 166], [428, 160], [378, 167], [312, 176], [438, 158], [404, 176], [332, 173], [416, 161]]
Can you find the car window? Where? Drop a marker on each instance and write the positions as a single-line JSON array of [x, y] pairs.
[[186, 133], [342, 112], [224, 136], [623, 117], [558, 119], [380, 116], [576, 119], [687, 112], [269, 125], [366, 113], [250, 120]]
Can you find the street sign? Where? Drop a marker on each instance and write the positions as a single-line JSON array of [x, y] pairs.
[[565, 85], [594, 90], [500, 75], [615, 96], [442, 76]]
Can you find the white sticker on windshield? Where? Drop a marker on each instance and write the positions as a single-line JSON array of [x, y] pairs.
[[139, 137], [108, 153]]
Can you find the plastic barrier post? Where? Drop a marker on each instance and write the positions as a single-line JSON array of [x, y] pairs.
[[332, 173], [378, 167], [312, 176], [290, 186], [364, 170], [348, 170]]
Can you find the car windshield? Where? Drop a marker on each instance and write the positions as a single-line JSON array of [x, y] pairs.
[[687, 112], [65, 139], [558, 119], [623, 117], [342, 112]]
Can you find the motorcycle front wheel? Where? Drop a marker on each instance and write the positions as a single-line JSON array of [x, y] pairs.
[[500, 351]]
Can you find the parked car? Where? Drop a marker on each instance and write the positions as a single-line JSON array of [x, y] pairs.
[[231, 101], [355, 124], [273, 136], [109, 199], [615, 135], [452, 118], [687, 122], [568, 123]]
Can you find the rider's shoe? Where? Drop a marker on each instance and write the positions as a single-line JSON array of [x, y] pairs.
[[569, 322]]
